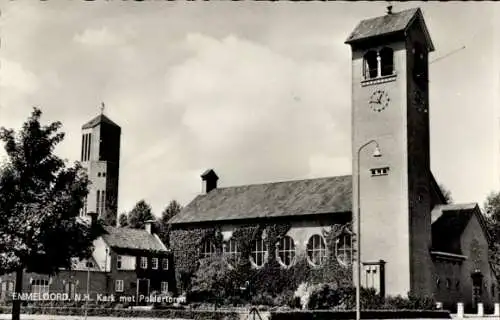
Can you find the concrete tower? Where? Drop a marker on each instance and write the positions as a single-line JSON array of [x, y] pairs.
[[390, 104], [100, 155]]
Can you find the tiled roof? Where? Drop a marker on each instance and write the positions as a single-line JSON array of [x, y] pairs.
[[136, 239], [98, 120], [448, 223], [388, 24], [289, 198]]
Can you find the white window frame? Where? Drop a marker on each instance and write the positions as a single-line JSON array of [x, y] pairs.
[[231, 251], [259, 249], [164, 263], [154, 263], [164, 287], [342, 248], [207, 249], [286, 246], [316, 250], [40, 286], [144, 262], [119, 285]]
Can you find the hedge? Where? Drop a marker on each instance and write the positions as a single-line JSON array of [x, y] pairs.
[[365, 314], [131, 313]]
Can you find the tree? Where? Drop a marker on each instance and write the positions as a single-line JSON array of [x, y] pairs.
[[139, 215], [446, 193], [40, 200], [123, 220], [171, 210], [492, 217], [210, 280]]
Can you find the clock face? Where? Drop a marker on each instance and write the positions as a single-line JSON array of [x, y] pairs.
[[379, 100], [419, 101]]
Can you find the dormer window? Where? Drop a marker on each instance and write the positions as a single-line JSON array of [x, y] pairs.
[[386, 61], [370, 64]]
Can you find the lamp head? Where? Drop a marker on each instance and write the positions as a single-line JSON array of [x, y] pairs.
[[376, 152]]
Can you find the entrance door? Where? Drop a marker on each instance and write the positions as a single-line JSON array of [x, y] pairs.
[[142, 290], [477, 287]]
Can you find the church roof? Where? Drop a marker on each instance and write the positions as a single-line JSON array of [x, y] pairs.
[[98, 120], [289, 198], [134, 239], [449, 222], [389, 24]]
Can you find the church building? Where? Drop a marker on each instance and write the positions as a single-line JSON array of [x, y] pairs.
[[411, 240]]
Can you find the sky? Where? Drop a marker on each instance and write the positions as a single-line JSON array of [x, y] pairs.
[[258, 91]]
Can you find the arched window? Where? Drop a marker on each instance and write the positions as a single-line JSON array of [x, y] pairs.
[[231, 252], [386, 61], [286, 251], [316, 250], [207, 249], [258, 253], [343, 249], [370, 64]]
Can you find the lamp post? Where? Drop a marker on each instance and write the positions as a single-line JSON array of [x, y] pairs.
[[88, 264], [377, 154]]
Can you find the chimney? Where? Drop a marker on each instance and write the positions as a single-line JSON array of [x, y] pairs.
[[148, 226], [209, 181]]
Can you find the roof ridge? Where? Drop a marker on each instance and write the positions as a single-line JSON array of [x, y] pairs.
[[284, 181]]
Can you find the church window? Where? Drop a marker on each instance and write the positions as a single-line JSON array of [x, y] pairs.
[[83, 147], [286, 251], [98, 174], [207, 249], [457, 285], [98, 201], [343, 249], [438, 283], [103, 174], [420, 67], [103, 201], [370, 64], [448, 283], [231, 251], [316, 250], [258, 253], [386, 61]]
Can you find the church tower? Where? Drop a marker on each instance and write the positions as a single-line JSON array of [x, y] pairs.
[[390, 114], [100, 155]]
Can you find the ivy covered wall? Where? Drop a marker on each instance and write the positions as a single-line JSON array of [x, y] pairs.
[[272, 278]]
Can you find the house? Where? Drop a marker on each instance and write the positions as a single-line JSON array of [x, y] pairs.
[[129, 263], [410, 240]]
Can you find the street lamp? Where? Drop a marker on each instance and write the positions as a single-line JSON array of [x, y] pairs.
[[376, 154]]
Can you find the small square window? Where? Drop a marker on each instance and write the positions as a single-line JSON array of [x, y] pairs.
[[380, 171], [154, 263]]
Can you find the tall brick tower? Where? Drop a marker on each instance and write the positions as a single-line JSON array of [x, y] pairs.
[[390, 105], [100, 155]]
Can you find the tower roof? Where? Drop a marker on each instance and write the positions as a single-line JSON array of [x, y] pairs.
[[389, 24], [98, 120]]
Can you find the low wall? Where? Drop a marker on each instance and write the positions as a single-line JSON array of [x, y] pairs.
[[235, 315]]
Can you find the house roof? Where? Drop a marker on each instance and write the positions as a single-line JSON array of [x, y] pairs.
[[394, 23], [134, 239], [98, 120], [288, 198]]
